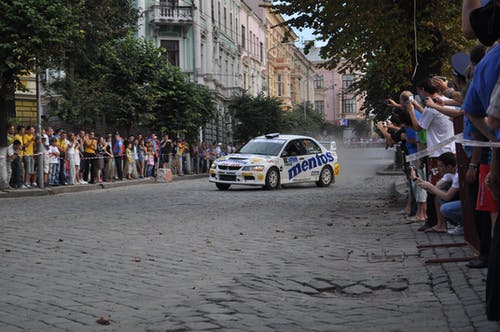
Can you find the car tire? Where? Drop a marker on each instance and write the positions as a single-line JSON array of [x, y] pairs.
[[222, 186], [326, 177], [272, 179]]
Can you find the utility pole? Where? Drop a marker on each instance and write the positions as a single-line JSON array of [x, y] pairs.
[[40, 178]]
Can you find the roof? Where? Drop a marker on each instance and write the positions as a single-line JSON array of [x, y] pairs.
[[286, 137]]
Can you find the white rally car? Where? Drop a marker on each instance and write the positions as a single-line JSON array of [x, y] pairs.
[[273, 160]]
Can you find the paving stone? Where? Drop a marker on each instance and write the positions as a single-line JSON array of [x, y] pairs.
[[187, 257], [357, 290]]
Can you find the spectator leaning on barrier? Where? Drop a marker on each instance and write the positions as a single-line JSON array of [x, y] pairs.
[[438, 129], [484, 23]]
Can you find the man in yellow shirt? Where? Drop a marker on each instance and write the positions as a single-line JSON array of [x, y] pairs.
[[28, 157]]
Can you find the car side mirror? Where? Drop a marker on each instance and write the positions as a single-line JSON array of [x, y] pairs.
[[284, 154]]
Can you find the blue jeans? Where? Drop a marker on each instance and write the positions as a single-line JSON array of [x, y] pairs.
[[452, 211]]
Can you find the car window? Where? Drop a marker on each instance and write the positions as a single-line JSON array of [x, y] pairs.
[[311, 147], [295, 148], [269, 147]]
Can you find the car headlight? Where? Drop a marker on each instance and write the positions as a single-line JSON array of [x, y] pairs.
[[256, 168]]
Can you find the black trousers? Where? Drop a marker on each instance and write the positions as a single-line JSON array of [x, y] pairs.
[[16, 179], [493, 279], [119, 166]]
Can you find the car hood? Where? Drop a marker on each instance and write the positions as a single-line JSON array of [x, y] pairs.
[[244, 159]]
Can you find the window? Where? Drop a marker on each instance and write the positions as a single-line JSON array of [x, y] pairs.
[[319, 82], [231, 25], [349, 106], [212, 9], [261, 51], [279, 86], [347, 81], [295, 148], [172, 47], [319, 106], [243, 39], [218, 14], [311, 147], [225, 20]]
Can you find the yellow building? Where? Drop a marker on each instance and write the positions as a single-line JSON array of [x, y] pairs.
[[26, 104], [280, 57]]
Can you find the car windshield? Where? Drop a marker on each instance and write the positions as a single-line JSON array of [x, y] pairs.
[[263, 146]]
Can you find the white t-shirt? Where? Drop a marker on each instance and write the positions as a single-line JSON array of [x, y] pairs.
[[447, 177], [53, 159], [10, 150], [439, 128], [455, 183]]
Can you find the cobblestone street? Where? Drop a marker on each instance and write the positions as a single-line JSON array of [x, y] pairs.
[[184, 256]]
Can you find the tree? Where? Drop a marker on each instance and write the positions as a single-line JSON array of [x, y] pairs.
[[123, 94], [102, 45], [33, 34], [303, 119], [376, 39], [183, 106], [255, 116]]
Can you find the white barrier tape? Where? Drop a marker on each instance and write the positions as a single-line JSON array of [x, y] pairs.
[[481, 144], [430, 150]]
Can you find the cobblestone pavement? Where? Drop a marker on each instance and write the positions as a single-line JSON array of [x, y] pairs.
[[184, 256]]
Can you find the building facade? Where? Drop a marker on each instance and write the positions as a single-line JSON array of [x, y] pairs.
[[253, 45], [232, 47], [202, 38], [332, 95]]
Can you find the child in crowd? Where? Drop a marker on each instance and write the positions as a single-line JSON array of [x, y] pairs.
[[130, 160], [53, 163]]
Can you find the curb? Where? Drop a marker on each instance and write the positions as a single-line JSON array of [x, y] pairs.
[[12, 193]]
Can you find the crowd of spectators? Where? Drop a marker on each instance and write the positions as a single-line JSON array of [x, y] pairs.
[[452, 186], [70, 158]]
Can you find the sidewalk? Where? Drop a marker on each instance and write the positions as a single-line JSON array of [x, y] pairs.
[[460, 289], [49, 190]]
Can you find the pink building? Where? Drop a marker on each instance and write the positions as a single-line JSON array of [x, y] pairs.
[[330, 94]]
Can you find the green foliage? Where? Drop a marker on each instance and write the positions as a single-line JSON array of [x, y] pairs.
[[136, 87], [182, 106], [255, 116], [303, 119], [376, 38], [33, 34]]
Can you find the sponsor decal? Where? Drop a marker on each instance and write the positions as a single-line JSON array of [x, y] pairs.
[[310, 164]]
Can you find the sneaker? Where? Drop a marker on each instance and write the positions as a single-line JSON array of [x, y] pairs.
[[27, 185], [24, 186], [458, 230], [34, 185]]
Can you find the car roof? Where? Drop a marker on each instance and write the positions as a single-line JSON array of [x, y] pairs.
[[285, 137]]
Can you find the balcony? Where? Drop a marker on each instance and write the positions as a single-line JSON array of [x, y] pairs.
[[179, 15]]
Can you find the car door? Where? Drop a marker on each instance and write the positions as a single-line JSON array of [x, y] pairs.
[[293, 155], [311, 162]]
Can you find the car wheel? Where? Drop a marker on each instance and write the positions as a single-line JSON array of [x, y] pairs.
[[222, 186], [325, 177], [272, 179]]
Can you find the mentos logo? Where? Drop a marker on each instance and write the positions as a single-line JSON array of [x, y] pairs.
[[311, 163]]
